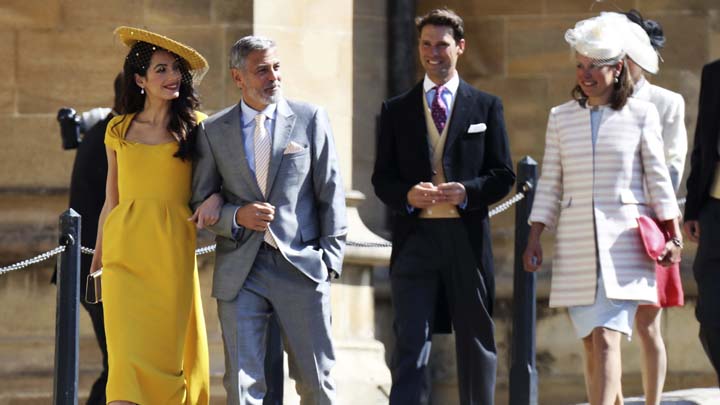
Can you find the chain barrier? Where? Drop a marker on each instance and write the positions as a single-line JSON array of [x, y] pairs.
[[211, 248], [507, 204], [368, 244], [28, 262], [205, 250]]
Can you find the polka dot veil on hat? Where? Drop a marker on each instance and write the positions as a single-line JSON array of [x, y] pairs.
[[196, 64]]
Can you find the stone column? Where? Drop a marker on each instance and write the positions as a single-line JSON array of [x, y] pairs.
[[315, 44]]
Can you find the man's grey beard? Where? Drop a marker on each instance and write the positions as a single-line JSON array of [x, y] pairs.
[[269, 99], [275, 97]]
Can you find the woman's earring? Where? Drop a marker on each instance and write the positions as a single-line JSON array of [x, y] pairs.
[[616, 79], [142, 89]]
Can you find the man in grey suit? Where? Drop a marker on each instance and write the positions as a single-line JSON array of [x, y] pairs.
[[282, 228]]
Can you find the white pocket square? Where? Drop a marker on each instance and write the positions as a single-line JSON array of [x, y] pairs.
[[293, 147], [475, 128]]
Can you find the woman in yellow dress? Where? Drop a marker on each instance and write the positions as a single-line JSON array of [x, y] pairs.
[[156, 338]]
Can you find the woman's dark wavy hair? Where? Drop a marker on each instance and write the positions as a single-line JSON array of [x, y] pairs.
[[183, 121], [651, 27], [622, 90]]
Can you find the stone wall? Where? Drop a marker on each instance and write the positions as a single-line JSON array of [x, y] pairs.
[[516, 51], [62, 53], [369, 90]]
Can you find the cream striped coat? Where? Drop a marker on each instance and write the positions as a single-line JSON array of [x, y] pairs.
[[585, 197]]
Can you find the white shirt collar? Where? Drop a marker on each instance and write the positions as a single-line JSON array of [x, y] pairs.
[[249, 113], [452, 84], [640, 85]]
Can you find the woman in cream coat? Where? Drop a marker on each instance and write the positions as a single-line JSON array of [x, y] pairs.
[[599, 150]]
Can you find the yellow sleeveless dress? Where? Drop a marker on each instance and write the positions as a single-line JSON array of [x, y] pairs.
[[156, 337]]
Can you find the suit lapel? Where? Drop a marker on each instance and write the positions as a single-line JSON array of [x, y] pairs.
[[234, 140], [417, 130], [459, 116], [281, 137]]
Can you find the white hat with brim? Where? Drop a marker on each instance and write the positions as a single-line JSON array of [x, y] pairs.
[[597, 38], [639, 48]]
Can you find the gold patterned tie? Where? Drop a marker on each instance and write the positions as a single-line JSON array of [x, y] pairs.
[[263, 146]]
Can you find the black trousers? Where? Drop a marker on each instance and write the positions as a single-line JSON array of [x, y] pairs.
[[710, 340], [706, 270], [438, 255]]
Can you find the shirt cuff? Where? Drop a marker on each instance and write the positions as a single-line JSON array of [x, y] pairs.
[[410, 209], [463, 205], [235, 229]]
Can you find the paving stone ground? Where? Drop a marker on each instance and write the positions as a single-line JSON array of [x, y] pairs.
[[695, 396]]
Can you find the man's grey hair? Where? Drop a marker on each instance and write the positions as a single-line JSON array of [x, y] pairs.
[[244, 46]]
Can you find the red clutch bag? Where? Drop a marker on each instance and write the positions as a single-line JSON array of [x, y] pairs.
[[653, 238], [669, 285]]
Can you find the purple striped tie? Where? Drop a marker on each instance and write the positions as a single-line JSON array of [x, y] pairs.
[[438, 110]]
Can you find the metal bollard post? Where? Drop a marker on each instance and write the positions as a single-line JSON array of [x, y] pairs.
[[523, 374], [65, 384]]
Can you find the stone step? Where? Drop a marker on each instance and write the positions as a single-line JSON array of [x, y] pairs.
[[27, 307], [35, 387], [695, 396], [29, 389], [38, 390]]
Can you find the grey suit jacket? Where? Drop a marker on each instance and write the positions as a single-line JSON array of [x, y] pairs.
[[305, 187]]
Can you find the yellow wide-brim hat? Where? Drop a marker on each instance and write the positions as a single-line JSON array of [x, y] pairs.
[[197, 64]]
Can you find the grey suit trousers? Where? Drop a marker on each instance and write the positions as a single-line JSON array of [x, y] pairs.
[[302, 309]]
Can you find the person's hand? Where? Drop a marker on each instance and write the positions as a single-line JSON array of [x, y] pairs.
[[208, 213], [692, 230], [453, 192], [424, 195], [670, 255], [255, 216], [533, 255]]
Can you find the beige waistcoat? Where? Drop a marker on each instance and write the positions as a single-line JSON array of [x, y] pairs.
[[715, 188], [437, 147]]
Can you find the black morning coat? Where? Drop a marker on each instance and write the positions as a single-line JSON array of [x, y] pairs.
[[480, 161], [704, 157], [703, 164]]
